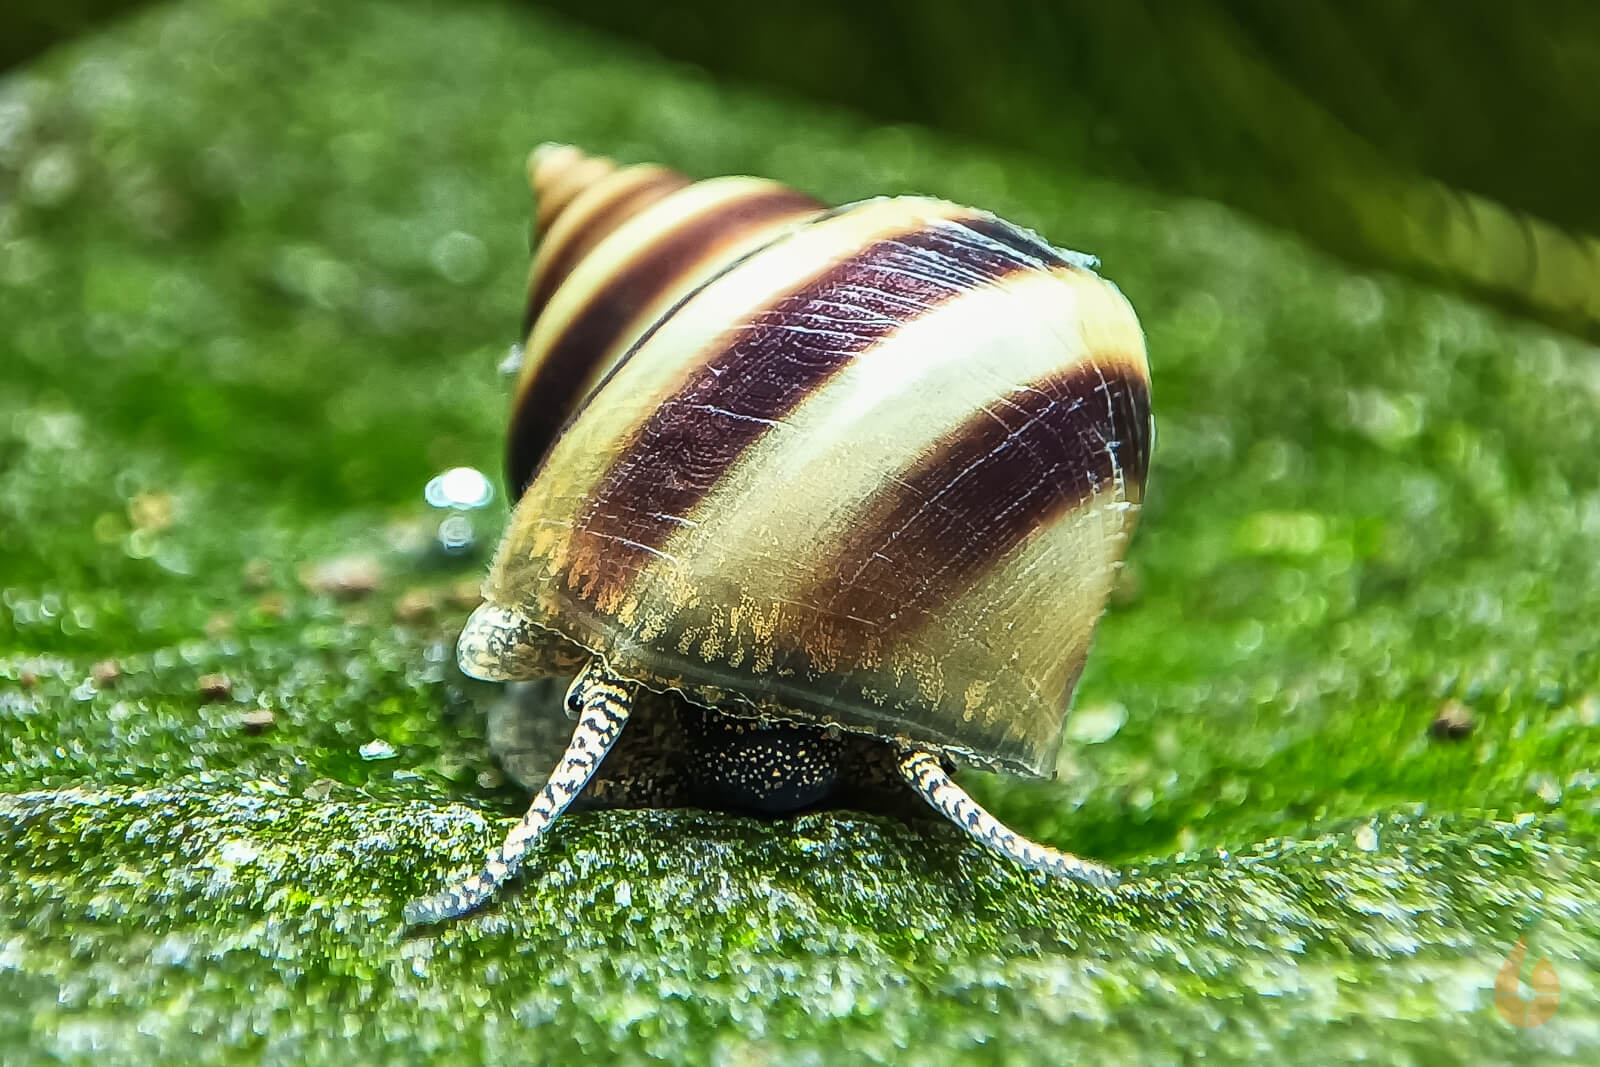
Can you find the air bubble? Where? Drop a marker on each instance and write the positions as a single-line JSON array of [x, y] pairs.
[[459, 487]]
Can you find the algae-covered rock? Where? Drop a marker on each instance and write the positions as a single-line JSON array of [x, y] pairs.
[[257, 265]]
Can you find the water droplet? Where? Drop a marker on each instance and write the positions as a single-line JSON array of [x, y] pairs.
[[459, 257], [456, 534], [459, 487], [22, 261], [377, 749], [512, 364], [1097, 723], [52, 177]]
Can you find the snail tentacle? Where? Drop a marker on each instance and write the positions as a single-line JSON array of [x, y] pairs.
[[924, 772], [603, 702]]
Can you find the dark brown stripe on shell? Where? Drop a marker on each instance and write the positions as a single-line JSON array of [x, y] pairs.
[[603, 220], [1016, 466], [774, 360], [1022, 242], [556, 386]]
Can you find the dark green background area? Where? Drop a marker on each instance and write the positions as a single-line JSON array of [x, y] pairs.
[[257, 265], [1456, 143]]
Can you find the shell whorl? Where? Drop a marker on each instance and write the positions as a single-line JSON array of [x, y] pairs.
[[618, 247], [581, 201], [559, 172], [877, 471]]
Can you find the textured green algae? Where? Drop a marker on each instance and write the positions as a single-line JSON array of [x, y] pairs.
[[256, 265]]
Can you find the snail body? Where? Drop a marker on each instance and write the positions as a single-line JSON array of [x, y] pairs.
[[850, 485]]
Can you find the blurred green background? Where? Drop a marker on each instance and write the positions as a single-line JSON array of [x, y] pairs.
[[1458, 143], [258, 262]]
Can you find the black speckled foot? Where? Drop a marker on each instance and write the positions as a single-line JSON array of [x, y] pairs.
[[763, 768], [602, 701], [928, 777]]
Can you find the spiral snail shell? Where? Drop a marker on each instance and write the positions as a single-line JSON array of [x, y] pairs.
[[810, 499]]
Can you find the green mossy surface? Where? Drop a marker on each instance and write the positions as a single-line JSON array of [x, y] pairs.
[[257, 265]]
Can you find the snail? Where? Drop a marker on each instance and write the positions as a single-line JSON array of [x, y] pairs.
[[810, 500]]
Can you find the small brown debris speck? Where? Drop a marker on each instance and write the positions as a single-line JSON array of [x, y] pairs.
[[27, 679], [215, 687], [414, 606], [272, 605], [105, 673], [257, 573], [257, 720], [1453, 721], [1127, 586], [348, 577], [151, 511], [466, 594]]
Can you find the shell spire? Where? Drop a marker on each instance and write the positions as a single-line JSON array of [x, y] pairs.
[[559, 172], [618, 247], [582, 200]]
